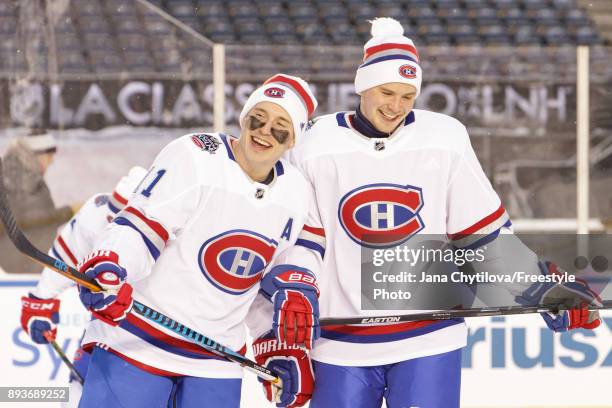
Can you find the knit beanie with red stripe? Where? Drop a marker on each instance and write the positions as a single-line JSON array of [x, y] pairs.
[[388, 57], [290, 93]]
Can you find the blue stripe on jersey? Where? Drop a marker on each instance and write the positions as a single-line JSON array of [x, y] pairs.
[[230, 153], [280, 170], [387, 58], [150, 246], [311, 245], [409, 119], [140, 333], [341, 119], [113, 209], [56, 254], [383, 338]]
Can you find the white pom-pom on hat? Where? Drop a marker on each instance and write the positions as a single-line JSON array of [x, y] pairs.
[[388, 57], [386, 27]]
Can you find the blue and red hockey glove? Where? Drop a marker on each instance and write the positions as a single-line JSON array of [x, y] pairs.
[[573, 297], [295, 295], [39, 316], [292, 365], [115, 301]]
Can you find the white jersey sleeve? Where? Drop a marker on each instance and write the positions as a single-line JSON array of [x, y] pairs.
[[73, 243], [157, 212], [475, 213], [307, 252]]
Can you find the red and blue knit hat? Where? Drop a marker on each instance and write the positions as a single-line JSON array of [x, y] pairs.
[[290, 93], [388, 57]]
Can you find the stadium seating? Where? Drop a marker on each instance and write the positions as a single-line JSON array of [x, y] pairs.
[[109, 35]]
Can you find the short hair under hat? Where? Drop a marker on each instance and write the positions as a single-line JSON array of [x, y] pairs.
[[290, 93], [388, 56]]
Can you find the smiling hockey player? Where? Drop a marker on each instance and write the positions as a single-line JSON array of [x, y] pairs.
[[194, 242], [381, 175]]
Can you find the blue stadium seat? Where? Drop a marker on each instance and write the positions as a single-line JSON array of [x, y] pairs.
[[133, 42], [87, 8], [302, 11], [8, 25], [66, 41], [534, 4], [180, 8], [271, 9], [105, 61], [239, 9], [98, 41], [139, 61], [121, 8], [587, 36], [211, 8], [127, 25], [362, 12], [556, 35], [94, 24], [7, 8], [393, 10], [72, 62], [333, 12]]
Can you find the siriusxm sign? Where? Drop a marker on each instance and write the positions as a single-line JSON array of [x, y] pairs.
[[529, 347]]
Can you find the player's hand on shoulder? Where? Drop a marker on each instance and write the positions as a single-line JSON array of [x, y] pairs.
[[39, 318], [115, 301], [292, 364], [573, 297], [295, 295]]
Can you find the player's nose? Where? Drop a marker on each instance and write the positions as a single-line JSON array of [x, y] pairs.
[[395, 105]]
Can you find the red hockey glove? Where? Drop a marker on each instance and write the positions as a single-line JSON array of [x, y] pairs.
[[39, 316], [114, 303], [294, 292], [292, 365], [575, 296]]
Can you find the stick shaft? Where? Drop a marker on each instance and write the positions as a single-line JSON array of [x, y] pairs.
[[449, 314], [65, 359]]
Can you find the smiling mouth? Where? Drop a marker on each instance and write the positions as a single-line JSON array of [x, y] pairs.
[[390, 118], [260, 142]]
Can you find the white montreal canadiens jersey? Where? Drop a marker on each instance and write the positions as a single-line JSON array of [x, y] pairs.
[[423, 179], [75, 241], [195, 239]]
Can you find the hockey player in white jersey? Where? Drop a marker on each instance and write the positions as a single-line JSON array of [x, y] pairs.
[[194, 242], [382, 174], [40, 309]]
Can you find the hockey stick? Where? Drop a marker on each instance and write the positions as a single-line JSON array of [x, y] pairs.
[[25, 246], [63, 356], [452, 314]]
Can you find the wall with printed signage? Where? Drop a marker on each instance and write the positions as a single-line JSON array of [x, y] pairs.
[[513, 109], [509, 362]]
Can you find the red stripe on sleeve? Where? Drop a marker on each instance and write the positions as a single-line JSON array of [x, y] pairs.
[[313, 230], [480, 224], [67, 250], [154, 225], [119, 199]]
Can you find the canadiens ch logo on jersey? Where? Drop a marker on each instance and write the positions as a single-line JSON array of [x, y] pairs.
[[235, 260], [381, 215]]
